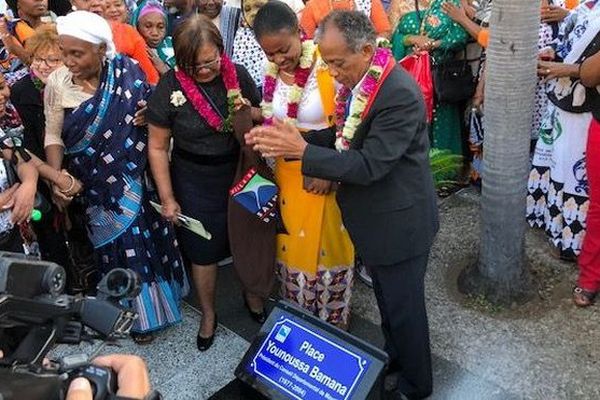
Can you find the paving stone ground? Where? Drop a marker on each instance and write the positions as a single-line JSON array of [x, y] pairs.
[[547, 350]]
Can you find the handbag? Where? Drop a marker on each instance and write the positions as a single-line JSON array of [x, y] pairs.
[[453, 80], [419, 67]]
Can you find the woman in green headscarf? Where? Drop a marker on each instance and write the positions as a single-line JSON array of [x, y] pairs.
[[150, 19]]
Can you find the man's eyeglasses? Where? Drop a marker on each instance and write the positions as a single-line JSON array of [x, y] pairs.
[[48, 62]]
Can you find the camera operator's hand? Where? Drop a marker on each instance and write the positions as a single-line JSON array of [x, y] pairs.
[[80, 389], [132, 378], [132, 375]]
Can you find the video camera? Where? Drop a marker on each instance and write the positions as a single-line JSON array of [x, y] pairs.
[[35, 312]]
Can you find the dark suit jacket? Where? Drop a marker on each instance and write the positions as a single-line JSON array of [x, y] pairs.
[[386, 191]]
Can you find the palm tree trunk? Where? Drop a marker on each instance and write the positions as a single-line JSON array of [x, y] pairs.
[[509, 95]]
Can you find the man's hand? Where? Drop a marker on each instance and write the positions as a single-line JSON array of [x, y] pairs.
[[80, 389], [317, 186], [552, 13], [132, 375], [278, 140], [132, 378]]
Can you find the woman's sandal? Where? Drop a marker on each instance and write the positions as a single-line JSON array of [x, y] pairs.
[[582, 297], [142, 338]]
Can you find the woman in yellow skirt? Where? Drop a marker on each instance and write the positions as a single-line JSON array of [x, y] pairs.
[[315, 258]]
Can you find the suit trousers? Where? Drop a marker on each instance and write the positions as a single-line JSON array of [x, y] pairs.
[[399, 289]]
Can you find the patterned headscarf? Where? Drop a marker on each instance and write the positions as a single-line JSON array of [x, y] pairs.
[[145, 8]]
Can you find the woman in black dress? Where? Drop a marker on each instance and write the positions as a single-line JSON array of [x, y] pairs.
[[190, 106]]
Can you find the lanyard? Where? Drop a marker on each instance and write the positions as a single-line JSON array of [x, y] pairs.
[[212, 103]]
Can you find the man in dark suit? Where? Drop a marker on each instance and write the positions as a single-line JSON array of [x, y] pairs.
[[385, 193]]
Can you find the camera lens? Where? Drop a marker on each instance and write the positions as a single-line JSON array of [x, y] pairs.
[[54, 280], [121, 283]]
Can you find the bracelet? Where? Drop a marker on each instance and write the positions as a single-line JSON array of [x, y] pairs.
[[71, 186]]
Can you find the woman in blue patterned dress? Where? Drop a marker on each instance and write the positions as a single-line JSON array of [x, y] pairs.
[[91, 107]]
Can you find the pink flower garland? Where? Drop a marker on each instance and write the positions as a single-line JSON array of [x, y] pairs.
[[341, 105], [199, 102], [346, 125]]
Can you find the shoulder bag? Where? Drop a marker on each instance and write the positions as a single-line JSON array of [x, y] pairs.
[[453, 79]]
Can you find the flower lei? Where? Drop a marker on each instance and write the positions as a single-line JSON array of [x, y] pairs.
[[346, 126], [202, 106], [301, 75]]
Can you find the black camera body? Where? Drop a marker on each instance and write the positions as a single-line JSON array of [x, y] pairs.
[[27, 383], [37, 315]]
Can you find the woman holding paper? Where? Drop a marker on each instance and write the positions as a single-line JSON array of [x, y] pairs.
[[192, 106]]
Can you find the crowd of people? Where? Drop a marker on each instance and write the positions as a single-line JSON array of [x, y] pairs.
[[120, 120]]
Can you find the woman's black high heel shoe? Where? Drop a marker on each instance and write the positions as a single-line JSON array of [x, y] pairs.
[[204, 344], [259, 317]]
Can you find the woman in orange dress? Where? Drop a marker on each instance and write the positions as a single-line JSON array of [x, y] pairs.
[[316, 10], [128, 40]]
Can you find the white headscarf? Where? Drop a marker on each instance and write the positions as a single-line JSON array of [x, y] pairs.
[[88, 27]]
